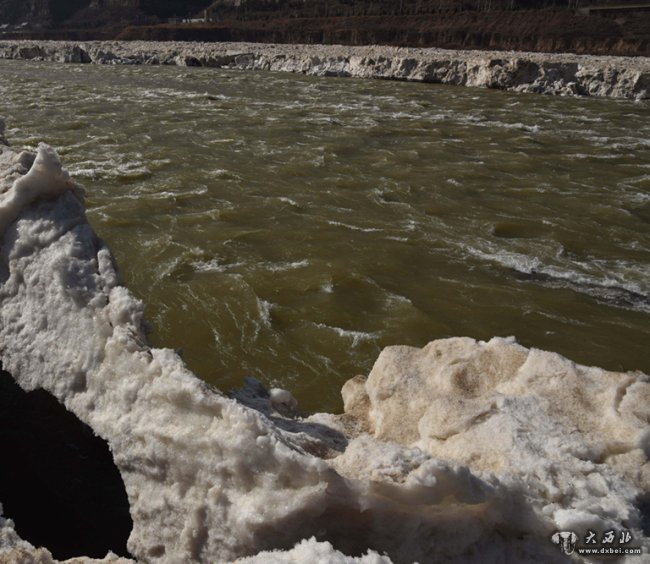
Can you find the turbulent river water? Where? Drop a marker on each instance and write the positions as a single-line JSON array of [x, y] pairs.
[[290, 227]]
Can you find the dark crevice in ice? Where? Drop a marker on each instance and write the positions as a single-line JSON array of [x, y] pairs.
[[58, 481], [643, 505]]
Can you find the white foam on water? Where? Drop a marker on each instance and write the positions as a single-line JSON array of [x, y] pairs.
[[286, 200], [354, 227], [631, 144], [602, 279], [264, 308], [328, 288], [397, 299], [284, 266], [357, 337], [212, 265], [639, 196], [592, 156], [517, 261], [506, 125], [166, 93], [166, 268], [115, 167]]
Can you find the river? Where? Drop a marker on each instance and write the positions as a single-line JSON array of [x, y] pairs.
[[290, 227]]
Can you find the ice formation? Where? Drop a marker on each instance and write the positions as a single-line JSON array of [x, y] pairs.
[[462, 451], [564, 74]]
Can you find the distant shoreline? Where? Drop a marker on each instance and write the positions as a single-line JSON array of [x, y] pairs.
[[543, 73]]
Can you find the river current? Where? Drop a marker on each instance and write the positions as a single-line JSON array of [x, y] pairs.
[[290, 227]]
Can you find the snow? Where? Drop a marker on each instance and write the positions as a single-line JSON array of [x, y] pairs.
[[283, 399], [462, 451], [311, 551], [573, 437]]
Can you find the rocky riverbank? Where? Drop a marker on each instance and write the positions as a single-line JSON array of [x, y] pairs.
[[558, 74]]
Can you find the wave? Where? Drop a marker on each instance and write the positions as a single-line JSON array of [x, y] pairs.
[[354, 227], [357, 337], [609, 289]]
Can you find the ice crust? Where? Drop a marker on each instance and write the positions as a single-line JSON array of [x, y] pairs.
[[564, 74], [462, 451]]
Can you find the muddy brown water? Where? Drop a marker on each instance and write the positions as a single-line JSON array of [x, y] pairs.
[[290, 227]]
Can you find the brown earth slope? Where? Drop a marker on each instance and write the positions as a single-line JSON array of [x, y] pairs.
[[531, 30], [522, 25]]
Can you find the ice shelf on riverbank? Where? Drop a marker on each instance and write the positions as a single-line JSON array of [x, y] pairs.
[[544, 73], [462, 451]]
